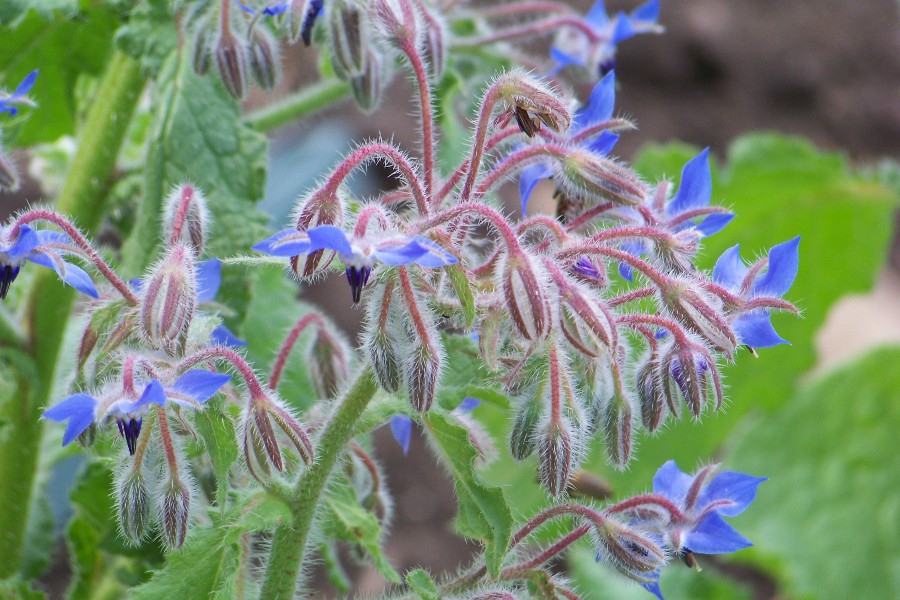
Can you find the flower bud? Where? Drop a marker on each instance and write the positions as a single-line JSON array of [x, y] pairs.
[[617, 416], [650, 395], [629, 550], [133, 503], [319, 208], [168, 300], [696, 312], [489, 339], [523, 95], [434, 50], [588, 175], [397, 21], [367, 87], [263, 59], [231, 60], [524, 289], [349, 29], [422, 373], [555, 455], [302, 15], [690, 372], [599, 387], [261, 447], [294, 431], [186, 217], [381, 343], [523, 437], [588, 325], [174, 511], [9, 174], [201, 47], [328, 362]]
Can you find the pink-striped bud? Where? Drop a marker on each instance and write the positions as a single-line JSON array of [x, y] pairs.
[[230, 54], [186, 217], [596, 178], [617, 418], [381, 338], [690, 372], [174, 512], [524, 287], [168, 299], [524, 435], [531, 102], [589, 326], [698, 313], [319, 208], [201, 46], [489, 339], [629, 550], [368, 87], [262, 449], [423, 369], [650, 394], [133, 503], [264, 59]]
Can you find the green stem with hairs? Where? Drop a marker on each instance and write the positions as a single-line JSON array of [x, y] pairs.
[[50, 303], [304, 102], [290, 540]]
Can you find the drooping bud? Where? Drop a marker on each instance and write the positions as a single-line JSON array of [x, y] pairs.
[[294, 431], [596, 178], [689, 372], [133, 495], [629, 550], [422, 372], [201, 47], [367, 88], [523, 437], [261, 447], [329, 364], [381, 342], [617, 417], [302, 15], [489, 338], [231, 60], [319, 208], [523, 95], [168, 300], [599, 387], [555, 455], [434, 50], [9, 174], [397, 21], [263, 58], [697, 313], [588, 325], [650, 394], [523, 287], [186, 217], [349, 31], [174, 512]]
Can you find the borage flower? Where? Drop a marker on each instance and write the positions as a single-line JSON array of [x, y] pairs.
[[598, 53], [401, 425], [270, 9], [754, 327], [44, 248], [358, 254], [20, 96], [598, 110], [82, 410]]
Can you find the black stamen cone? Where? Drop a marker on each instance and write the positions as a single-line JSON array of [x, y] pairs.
[[357, 278], [130, 430], [8, 274]]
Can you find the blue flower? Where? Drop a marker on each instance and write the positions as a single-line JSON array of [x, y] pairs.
[[20, 96], [681, 212], [574, 47], [43, 248], [598, 109], [358, 254], [401, 425], [81, 410], [270, 10], [754, 328]]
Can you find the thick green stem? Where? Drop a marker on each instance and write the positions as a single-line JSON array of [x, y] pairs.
[[304, 102], [51, 302], [289, 541]]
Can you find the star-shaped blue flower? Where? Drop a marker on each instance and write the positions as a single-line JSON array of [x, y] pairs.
[[755, 328], [45, 248], [575, 48], [358, 254], [599, 108], [8, 102], [81, 410]]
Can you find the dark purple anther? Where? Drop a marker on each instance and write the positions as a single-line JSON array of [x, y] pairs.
[[130, 430], [606, 66], [358, 277], [8, 274]]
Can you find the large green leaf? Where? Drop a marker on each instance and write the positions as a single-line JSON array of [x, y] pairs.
[[484, 513], [830, 513], [64, 44]]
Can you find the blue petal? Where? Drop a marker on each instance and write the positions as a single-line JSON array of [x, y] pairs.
[[739, 488], [223, 336], [730, 270], [70, 274], [433, 256], [597, 16], [714, 536], [276, 10], [714, 223], [564, 59], [309, 20], [624, 29], [603, 143], [200, 385], [468, 405], [647, 12], [600, 105], [399, 251], [287, 242], [653, 588], [153, 394], [695, 189], [329, 237], [246, 8], [27, 241], [209, 278], [784, 260], [26, 84], [48, 236], [401, 429], [528, 180], [672, 482], [78, 409], [635, 249], [755, 329]]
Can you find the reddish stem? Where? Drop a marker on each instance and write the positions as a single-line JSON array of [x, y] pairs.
[[288, 345], [237, 361], [540, 27], [418, 66]]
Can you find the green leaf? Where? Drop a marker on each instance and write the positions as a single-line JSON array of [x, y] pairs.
[[422, 584], [213, 560], [464, 291], [466, 375], [150, 34], [484, 513], [830, 513], [83, 542], [348, 520], [64, 45], [217, 431], [19, 590]]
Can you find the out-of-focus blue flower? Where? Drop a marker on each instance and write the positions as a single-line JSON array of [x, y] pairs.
[[574, 47], [598, 109], [272, 9], [8, 102], [45, 248], [358, 254], [755, 328], [401, 425], [81, 410], [694, 194]]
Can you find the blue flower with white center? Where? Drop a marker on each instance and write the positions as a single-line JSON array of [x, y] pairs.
[[689, 209], [754, 328], [598, 55], [598, 109], [704, 502], [45, 248], [401, 425], [358, 254], [81, 410], [8, 102]]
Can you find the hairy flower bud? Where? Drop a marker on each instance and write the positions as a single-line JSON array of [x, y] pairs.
[[168, 300], [201, 47], [697, 313], [302, 16], [651, 395], [349, 32], [367, 88], [629, 550], [523, 437], [261, 447], [599, 387], [381, 343], [174, 512], [231, 60], [593, 177], [588, 325], [489, 339], [263, 59], [555, 455], [434, 50], [186, 217], [133, 495], [329, 363], [523, 287], [690, 372], [617, 417], [423, 368], [523, 95]]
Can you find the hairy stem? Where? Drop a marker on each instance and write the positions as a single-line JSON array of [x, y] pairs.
[[300, 104]]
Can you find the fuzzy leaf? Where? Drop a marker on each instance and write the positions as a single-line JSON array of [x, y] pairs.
[[464, 290], [217, 431], [422, 584]]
